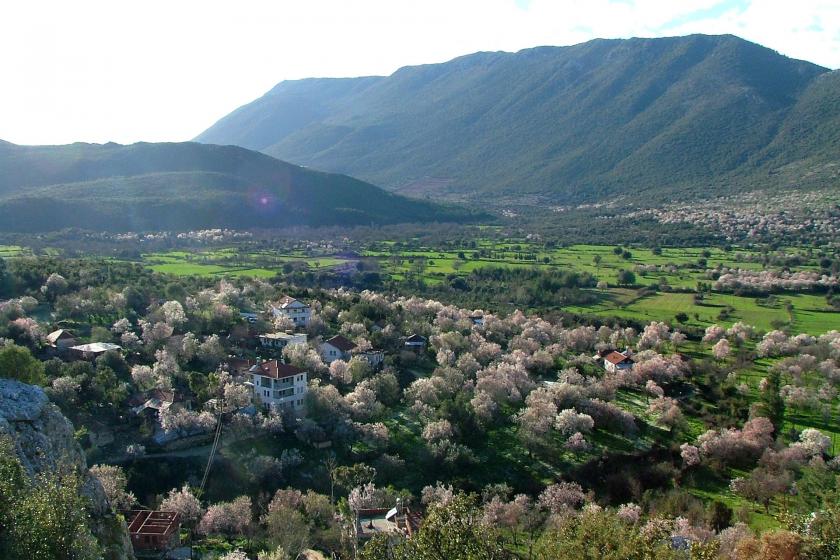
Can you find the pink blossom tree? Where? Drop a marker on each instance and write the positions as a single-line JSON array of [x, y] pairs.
[[721, 349], [562, 496], [229, 518]]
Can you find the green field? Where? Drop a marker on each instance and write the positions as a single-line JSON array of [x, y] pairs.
[[13, 251], [810, 312], [674, 283], [681, 271], [230, 262]]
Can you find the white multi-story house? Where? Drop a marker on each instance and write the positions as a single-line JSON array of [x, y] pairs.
[[281, 340], [279, 386], [296, 311]]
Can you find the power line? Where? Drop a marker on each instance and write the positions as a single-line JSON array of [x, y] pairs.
[[212, 452]]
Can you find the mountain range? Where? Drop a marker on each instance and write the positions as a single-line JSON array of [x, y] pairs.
[[183, 186], [633, 119]]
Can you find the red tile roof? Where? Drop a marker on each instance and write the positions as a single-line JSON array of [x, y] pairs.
[[275, 369], [286, 301], [341, 343], [616, 358]]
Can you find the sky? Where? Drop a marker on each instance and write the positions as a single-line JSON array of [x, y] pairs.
[[165, 70]]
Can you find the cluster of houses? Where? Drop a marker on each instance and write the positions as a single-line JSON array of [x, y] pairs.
[[274, 384], [283, 386]]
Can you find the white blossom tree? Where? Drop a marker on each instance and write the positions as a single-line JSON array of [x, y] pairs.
[[184, 503]]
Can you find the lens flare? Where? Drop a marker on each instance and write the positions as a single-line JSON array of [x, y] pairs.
[[263, 201]]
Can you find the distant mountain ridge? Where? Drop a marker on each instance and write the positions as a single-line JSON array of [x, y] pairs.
[[606, 118], [182, 186]]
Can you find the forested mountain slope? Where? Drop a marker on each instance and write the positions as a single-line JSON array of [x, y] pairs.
[[183, 186], [632, 118]]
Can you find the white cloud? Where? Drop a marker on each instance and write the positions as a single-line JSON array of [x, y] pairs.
[[99, 70]]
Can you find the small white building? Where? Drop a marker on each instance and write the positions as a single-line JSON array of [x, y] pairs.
[[336, 348], [279, 386], [281, 340], [296, 311], [373, 357], [616, 361]]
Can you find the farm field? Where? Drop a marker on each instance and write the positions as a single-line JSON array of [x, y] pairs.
[[810, 313], [229, 262], [674, 273], [7, 251], [688, 265]]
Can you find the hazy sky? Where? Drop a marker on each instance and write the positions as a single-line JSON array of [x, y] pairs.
[[123, 71]]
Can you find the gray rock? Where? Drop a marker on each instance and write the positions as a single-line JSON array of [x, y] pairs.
[[44, 442], [20, 402]]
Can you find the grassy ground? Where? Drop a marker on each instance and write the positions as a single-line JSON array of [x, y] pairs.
[[230, 262], [810, 313]]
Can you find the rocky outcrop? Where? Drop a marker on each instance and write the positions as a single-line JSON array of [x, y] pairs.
[[43, 439]]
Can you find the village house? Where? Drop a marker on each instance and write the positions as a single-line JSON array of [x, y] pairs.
[[373, 357], [154, 401], [93, 350], [61, 339], [279, 386], [278, 341], [336, 348], [296, 311], [617, 361], [153, 531], [415, 343]]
